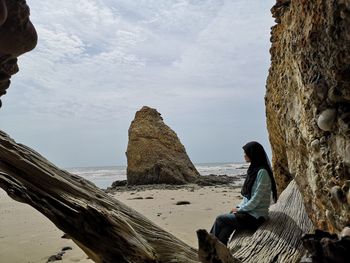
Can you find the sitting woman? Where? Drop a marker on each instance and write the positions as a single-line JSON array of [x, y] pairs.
[[256, 191]]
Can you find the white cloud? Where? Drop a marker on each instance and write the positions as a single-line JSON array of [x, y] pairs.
[[98, 61]]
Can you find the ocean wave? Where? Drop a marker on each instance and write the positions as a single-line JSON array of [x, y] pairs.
[[105, 175]]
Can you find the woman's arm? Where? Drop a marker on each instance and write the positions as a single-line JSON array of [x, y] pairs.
[[263, 186]]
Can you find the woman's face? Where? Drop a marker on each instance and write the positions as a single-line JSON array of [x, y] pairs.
[[246, 158]]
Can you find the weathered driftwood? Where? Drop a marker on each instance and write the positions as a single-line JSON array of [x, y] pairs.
[[211, 250], [107, 230], [279, 238]]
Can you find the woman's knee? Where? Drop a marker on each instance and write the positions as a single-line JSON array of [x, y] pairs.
[[220, 219]]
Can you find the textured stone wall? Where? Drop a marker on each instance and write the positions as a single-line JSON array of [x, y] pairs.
[[308, 105]]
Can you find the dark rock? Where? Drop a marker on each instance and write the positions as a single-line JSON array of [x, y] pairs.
[[54, 258], [119, 183], [65, 235], [183, 203], [212, 180], [136, 198], [17, 36], [325, 247]]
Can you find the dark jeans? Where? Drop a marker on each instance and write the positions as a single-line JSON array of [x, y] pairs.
[[225, 224]]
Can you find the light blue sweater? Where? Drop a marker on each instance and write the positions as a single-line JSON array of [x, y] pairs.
[[258, 204]]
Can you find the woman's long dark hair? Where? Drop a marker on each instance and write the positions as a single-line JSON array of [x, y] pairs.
[[258, 160]]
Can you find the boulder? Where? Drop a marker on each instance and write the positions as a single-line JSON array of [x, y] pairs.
[[155, 154], [308, 106]]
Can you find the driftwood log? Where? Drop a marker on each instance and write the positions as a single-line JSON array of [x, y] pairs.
[[109, 231], [277, 240]]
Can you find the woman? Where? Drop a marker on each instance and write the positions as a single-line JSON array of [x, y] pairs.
[[256, 192]]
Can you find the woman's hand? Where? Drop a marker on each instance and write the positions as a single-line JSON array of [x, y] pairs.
[[234, 210]]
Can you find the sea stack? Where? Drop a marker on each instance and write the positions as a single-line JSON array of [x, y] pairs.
[[155, 154]]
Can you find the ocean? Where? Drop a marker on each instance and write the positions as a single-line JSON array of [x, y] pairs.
[[104, 176]]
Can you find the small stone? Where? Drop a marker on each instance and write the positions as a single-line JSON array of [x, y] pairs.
[[66, 248], [136, 198], [54, 258], [66, 236], [183, 203], [326, 119], [345, 232]]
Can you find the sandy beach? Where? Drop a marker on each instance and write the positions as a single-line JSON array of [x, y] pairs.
[[27, 236]]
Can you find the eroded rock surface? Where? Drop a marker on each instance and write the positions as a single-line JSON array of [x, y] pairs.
[[308, 105], [155, 154], [17, 36]]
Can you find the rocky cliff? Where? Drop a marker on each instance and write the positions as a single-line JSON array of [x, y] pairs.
[[17, 36], [155, 154], [308, 105]]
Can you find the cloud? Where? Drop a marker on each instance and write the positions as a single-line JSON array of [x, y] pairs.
[[98, 61]]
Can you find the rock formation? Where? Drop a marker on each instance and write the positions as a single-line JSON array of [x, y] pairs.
[[17, 36], [308, 105], [155, 153]]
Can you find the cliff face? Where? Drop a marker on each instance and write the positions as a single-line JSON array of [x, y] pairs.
[[17, 36], [155, 153], [308, 105]]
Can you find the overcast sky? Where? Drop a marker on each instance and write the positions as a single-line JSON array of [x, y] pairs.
[[202, 64]]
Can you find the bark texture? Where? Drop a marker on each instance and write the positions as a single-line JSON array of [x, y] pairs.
[[308, 105], [279, 238]]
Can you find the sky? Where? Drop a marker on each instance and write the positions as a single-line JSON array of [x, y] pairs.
[[202, 64]]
